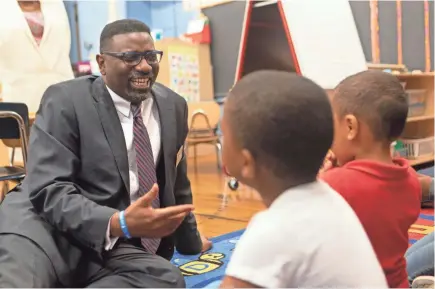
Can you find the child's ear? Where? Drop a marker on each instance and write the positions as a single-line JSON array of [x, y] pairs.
[[352, 126], [248, 167]]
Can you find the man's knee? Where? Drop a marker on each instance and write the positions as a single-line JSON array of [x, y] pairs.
[[132, 266], [166, 275], [178, 278], [24, 264], [128, 266]]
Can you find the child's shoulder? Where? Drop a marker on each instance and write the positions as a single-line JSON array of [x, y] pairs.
[[349, 177], [368, 176], [367, 170], [338, 175]]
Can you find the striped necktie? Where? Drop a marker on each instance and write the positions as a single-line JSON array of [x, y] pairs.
[[145, 167]]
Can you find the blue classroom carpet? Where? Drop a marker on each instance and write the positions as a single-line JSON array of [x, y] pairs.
[[206, 270]]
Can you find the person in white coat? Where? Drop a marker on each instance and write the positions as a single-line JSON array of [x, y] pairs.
[[35, 42]]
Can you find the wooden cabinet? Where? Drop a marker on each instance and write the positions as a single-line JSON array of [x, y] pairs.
[[420, 126]]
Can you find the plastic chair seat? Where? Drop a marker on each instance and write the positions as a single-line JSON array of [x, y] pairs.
[[10, 173]]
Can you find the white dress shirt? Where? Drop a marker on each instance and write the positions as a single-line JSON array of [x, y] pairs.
[[151, 121]]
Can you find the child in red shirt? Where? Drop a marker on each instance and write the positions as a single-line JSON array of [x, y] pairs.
[[370, 111]]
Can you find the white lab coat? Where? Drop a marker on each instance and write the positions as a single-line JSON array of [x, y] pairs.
[[26, 69]]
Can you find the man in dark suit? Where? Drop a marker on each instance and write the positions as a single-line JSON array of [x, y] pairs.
[[89, 212]]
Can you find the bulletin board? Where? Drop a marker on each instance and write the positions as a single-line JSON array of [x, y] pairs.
[[184, 71]]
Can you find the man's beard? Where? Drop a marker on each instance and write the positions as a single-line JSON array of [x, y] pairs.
[[135, 96]]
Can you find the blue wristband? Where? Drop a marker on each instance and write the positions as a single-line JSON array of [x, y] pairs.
[[124, 225]]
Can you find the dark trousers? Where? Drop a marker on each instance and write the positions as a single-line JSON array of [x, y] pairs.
[[23, 264]]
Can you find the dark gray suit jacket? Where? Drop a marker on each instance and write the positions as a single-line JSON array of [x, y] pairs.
[[78, 174]]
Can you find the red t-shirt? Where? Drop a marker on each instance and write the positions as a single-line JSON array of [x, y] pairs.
[[386, 198]]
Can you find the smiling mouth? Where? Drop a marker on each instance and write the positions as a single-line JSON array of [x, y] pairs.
[[144, 82]]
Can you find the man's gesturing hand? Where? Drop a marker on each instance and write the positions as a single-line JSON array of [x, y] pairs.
[[144, 221]]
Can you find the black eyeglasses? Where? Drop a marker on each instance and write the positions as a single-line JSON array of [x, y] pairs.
[[133, 58]]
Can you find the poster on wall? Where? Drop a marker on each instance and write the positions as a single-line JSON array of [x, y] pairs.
[[184, 71]]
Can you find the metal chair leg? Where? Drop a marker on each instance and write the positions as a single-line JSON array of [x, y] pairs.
[[195, 164], [219, 155], [186, 149], [12, 157]]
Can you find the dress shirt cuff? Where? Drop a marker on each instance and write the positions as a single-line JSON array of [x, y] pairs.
[[110, 241]]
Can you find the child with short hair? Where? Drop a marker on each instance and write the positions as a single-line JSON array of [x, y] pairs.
[[370, 110], [277, 127]]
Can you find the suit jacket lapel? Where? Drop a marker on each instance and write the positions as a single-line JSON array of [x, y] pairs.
[[112, 128], [168, 135]]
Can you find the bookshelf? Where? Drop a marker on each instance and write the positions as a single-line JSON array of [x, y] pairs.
[[421, 126]]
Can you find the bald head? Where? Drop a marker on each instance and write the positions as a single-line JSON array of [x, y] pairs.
[[283, 119]]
